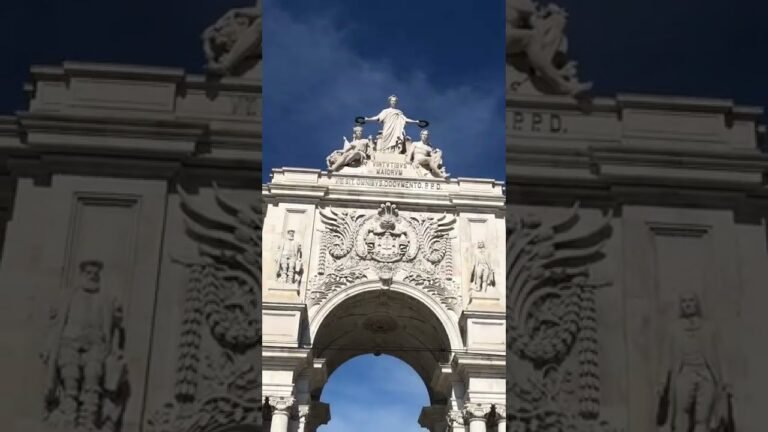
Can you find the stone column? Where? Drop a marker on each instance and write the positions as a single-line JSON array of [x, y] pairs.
[[476, 415], [281, 410]]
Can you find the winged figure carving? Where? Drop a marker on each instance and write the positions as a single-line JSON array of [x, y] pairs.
[[385, 244], [343, 227], [433, 235], [551, 319], [222, 296]]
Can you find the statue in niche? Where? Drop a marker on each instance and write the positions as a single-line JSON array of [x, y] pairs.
[[421, 154], [537, 46], [289, 260], [693, 397], [393, 131], [354, 153], [482, 273], [87, 372], [233, 44]]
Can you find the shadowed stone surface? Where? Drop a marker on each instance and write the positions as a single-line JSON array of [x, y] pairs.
[[130, 267]]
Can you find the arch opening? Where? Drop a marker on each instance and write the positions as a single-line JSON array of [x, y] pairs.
[[391, 397], [387, 322]]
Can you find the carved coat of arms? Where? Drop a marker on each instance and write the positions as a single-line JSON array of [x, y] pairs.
[[357, 246]]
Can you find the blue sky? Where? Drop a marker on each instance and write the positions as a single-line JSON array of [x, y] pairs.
[[700, 48], [144, 32], [331, 61], [374, 394]]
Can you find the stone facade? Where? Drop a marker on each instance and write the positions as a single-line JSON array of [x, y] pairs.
[[129, 274], [130, 216], [641, 308], [384, 255], [667, 246]]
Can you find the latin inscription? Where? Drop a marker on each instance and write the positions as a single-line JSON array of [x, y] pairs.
[[389, 184], [390, 168], [538, 122]]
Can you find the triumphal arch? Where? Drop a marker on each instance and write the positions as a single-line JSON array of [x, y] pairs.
[[384, 253]]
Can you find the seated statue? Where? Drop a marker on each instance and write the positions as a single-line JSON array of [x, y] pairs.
[[233, 44], [355, 153], [536, 44], [422, 155]]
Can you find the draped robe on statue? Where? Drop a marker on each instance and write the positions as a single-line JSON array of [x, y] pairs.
[[394, 128]]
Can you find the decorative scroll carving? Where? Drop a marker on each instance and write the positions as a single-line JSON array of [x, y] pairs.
[[87, 374], [220, 386], [386, 245], [553, 381]]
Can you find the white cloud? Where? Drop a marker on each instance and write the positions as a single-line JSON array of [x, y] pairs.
[[315, 85], [381, 393]]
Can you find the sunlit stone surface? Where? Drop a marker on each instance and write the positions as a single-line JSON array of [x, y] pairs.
[[385, 253]]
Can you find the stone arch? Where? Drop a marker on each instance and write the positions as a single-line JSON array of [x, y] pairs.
[[401, 320], [448, 322]]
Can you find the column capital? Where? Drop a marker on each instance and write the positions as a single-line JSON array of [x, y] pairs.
[[281, 404], [455, 418], [501, 414], [478, 411]]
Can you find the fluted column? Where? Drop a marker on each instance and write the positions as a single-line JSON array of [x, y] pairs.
[[281, 410]]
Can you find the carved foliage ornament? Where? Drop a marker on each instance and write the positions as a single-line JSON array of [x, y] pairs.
[[553, 376], [218, 379], [384, 243]]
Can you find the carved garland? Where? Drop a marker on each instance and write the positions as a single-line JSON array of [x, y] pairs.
[[552, 325], [218, 378]]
